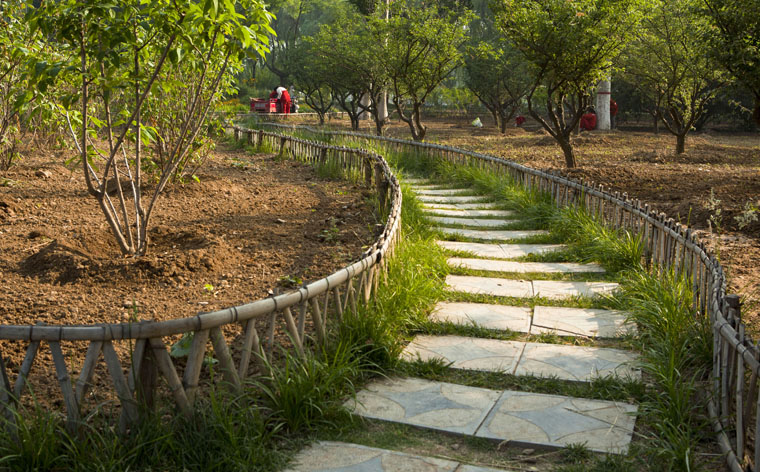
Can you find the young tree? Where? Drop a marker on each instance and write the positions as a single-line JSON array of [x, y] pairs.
[[737, 42], [499, 77], [667, 60], [120, 54], [18, 45], [421, 48], [571, 45], [311, 75]]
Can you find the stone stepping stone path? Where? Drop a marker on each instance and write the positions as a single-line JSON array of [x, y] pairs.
[[504, 251], [526, 288], [520, 418], [563, 321], [477, 222], [576, 363], [523, 419], [524, 267], [329, 456], [467, 213], [494, 235]]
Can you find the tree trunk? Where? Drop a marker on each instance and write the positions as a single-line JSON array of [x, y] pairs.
[[321, 116], [756, 112], [379, 125], [495, 118], [567, 148], [680, 143], [504, 125], [656, 124]]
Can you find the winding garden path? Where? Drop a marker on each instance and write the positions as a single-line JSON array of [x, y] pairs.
[[487, 270]]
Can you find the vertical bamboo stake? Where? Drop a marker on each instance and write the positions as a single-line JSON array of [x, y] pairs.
[[321, 336], [222, 353], [195, 364], [164, 363], [72, 409], [88, 369], [26, 367]]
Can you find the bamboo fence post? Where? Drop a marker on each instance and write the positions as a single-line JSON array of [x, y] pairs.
[[88, 369], [26, 367], [195, 364], [164, 363], [69, 398], [222, 353]]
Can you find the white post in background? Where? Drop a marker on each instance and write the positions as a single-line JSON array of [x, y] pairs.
[[603, 92]]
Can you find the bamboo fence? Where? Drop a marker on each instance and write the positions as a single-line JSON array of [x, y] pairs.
[[134, 379], [734, 399]]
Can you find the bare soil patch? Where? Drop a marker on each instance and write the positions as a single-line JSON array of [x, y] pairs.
[[251, 224], [644, 165]]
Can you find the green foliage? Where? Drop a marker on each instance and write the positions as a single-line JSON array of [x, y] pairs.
[[313, 77], [421, 48], [668, 62], [592, 240], [676, 353], [735, 37], [143, 74], [571, 45], [499, 77], [307, 392]]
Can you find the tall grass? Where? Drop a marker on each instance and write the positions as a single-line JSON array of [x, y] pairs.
[[676, 351]]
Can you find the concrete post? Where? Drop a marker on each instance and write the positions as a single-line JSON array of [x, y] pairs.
[[603, 91]]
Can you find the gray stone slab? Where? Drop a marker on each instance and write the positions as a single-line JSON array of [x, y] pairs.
[[580, 322], [493, 234], [556, 289], [329, 456], [475, 468], [502, 317], [477, 222], [523, 267], [443, 191], [467, 213], [491, 355], [415, 181], [461, 206], [450, 199], [499, 250], [436, 405], [578, 363], [489, 286], [550, 420]]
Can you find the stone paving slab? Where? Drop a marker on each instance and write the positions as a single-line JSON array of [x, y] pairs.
[[443, 191], [532, 419], [329, 456], [461, 206], [475, 468], [415, 181], [451, 198], [493, 234], [467, 213], [523, 267], [556, 289], [578, 363], [479, 222], [436, 405], [502, 317], [580, 322], [489, 286], [491, 355], [500, 250]]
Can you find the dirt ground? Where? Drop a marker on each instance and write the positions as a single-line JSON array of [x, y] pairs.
[[707, 187], [251, 224]]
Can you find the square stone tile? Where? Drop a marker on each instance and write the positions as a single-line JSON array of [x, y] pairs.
[[502, 317], [445, 191], [493, 234], [489, 286], [450, 198], [558, 289], [579, 363], [519, 250], [478, 249], [328, 456], [476, 222], [467, 213], [491, 355], [460, 206], [550, 420], [436, 405], [580, 321], [522, 267]]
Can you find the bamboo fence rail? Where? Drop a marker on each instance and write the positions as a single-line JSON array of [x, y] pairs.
[[734, 399], [134, 378]]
